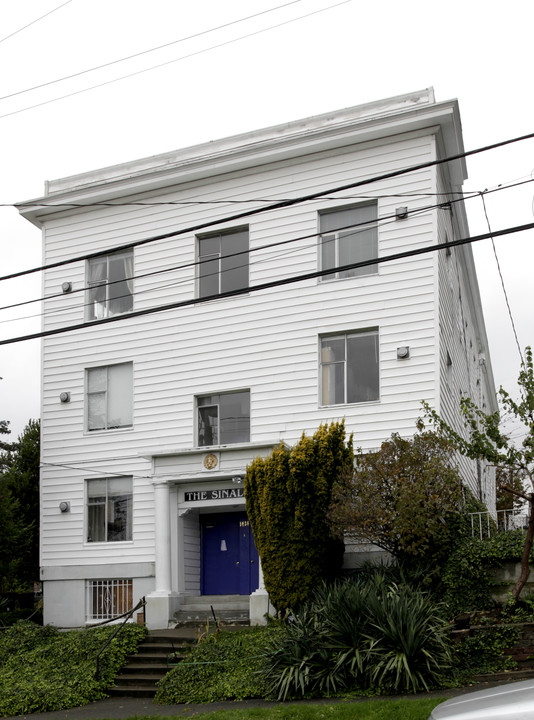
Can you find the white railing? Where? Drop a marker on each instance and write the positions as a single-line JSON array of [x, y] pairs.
[[107, 599], [484, 524]]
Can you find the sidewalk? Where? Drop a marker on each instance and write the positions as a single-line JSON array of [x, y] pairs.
[[120, 708]]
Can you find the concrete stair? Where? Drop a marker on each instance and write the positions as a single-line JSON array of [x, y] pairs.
[[138, 677], [229, 609]]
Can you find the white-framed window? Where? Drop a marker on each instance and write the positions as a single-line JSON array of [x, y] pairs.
[[109, 509], [107, 599], [109, 285], [109, 397], [349, 235], [350, 368], [223, 262], [223, 419]]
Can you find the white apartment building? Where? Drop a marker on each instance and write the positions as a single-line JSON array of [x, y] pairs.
[[181, 342]]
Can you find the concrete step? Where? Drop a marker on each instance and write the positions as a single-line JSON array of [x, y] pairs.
[[196, 610], [216, 601], [139, 691], [141, 672]]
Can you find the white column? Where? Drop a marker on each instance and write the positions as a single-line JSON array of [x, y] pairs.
[[259, 604], [163, 537]]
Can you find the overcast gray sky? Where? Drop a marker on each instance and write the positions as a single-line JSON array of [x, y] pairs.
[[304, 58]]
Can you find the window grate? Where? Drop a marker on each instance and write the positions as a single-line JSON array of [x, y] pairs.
[[107, 599]]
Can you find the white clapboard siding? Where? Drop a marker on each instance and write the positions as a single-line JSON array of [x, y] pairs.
[[267, 341]]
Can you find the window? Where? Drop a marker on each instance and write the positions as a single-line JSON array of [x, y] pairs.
[[109, 397], [106, 599], [109, 509], [110, 285], [349, 236], [223, 262], [224, 419], [349, 368]]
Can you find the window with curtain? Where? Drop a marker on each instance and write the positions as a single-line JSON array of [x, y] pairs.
[[222, 262], [109, 509], [110, 285], [349, 235], [223, 419], [350, 368], [109, 397]]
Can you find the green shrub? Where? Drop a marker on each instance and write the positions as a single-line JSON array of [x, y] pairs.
[[468, 578], [224, 666], [288, 495], [482, 651], [42, 669], [11, 617], [359, 635]]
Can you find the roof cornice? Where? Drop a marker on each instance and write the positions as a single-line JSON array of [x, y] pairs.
[[351, 126]]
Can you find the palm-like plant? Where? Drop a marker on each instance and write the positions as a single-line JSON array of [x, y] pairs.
[[408, 640], [369, 633]]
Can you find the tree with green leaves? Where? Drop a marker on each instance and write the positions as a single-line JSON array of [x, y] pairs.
[[288, 495], [19, 510], [486, 439], [407, 498]]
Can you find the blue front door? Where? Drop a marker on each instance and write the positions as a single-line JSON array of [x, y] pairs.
[[229, 560]]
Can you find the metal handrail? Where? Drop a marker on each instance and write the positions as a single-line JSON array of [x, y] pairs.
[[140, 604], [485, 524]]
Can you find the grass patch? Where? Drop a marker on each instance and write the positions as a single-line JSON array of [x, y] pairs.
[[376, 709], [42, 669]]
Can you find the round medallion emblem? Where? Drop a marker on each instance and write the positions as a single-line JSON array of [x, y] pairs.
[[210, 461]]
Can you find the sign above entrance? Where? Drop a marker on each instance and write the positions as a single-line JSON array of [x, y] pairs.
[[225, 494]]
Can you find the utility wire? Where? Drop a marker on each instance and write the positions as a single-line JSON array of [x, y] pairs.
[[268, 285], [97, 472], [273, 206], [33, 23], [144, 52], [502, 279], [359, 227], [170, 62], [186, 281], [466, 195]]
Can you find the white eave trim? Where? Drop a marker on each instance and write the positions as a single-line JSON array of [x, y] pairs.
[[261, 147]]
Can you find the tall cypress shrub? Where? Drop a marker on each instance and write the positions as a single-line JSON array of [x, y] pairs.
[[288, 495]]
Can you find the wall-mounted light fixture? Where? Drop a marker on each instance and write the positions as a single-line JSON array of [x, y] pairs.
[[64, 397], [237, 480], [64, 506], [401, 213], [403, 352], [66, 287]]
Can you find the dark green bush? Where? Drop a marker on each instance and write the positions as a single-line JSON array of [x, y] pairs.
[[42, 669], [13, 616], [224, 666], [359, 635], [468, 577], [483, 650]]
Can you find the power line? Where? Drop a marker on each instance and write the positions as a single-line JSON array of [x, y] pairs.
[[97, 472], [170, 62], [387, 219], [379, 222], [274, 206], [143, 52], [33, 23], [268, 285], [467, 195], [502, 279]]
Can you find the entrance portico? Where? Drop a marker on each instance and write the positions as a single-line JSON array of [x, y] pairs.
[[203, 540]]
